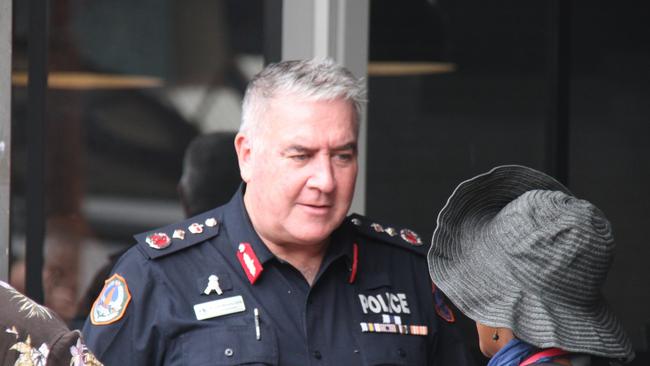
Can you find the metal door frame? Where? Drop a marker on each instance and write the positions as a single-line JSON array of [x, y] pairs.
[[5, 134], [337, 29]]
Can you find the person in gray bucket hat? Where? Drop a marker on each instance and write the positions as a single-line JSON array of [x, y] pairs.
[[521, 256]]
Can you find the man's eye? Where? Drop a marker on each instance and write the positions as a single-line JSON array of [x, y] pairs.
[[344, 157], [299, 157]]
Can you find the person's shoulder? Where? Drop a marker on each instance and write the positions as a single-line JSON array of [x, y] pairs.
[[385, 234], [179, 236], [33, 331], [140, 273]]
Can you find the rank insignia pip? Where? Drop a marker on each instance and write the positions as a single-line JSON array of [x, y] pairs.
[[195, 228], [179, 234], [410, 236], [111, 303], [211, 222], [391, 231], [158, 240]]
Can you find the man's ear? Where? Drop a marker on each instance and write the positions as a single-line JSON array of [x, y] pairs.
[[244, 156]]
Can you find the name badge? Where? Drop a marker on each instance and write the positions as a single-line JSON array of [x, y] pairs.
[[213, 309]]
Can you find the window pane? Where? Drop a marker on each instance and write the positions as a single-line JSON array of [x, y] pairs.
[[132, 84], [490, 105]]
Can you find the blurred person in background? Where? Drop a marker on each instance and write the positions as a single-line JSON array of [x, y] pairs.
[[210, 173]]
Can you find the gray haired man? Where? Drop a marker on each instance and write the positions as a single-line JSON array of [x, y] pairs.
[[280, 275]]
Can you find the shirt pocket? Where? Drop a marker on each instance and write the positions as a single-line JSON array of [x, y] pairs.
[[230, 345], [393, 349]]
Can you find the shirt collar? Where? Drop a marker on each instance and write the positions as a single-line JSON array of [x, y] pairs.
[[240, 230], [341, 241]]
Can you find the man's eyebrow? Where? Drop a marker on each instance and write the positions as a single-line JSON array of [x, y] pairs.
[[349, 146], [304, 149], [297, 149]]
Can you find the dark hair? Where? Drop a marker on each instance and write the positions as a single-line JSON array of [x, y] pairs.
[[210, 172]]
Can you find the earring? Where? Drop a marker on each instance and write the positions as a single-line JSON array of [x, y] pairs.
[[495, 336]]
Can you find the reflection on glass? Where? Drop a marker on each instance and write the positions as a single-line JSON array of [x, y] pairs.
[[131, 84]]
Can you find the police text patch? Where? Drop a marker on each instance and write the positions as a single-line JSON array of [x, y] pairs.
[[384, 303]]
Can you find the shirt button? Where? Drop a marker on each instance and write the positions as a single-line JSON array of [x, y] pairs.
[[317, 355], [401, 352], [228, 352]]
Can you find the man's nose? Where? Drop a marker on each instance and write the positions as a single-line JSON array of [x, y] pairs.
[[322, 176]]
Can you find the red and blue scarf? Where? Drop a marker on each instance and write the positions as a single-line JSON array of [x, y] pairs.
[[519, 353]]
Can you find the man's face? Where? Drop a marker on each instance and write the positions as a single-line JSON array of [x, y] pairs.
[[300, 169]]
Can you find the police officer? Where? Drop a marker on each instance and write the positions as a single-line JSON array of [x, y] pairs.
[[279, 275]]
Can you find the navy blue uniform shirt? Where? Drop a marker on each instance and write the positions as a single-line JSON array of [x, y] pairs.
[[370, 304]]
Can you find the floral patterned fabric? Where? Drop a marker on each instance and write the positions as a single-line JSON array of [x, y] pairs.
[[32, 335]]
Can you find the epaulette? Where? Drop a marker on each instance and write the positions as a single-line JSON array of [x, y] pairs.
[[172, 238], [402, 237]]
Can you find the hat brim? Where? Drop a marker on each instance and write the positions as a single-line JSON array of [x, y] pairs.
[[460, 270]]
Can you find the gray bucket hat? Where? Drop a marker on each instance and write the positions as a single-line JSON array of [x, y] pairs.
[[514, 248]]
